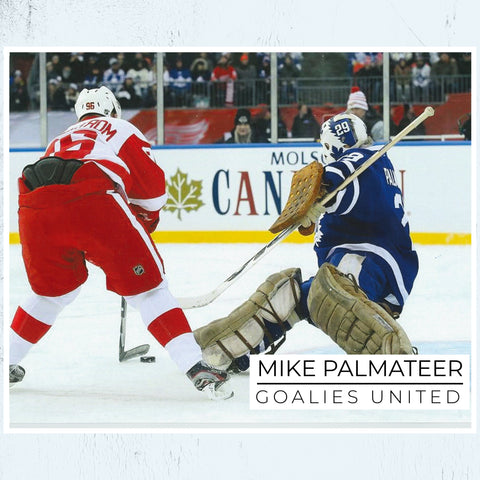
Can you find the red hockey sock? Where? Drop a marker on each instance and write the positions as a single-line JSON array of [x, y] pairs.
[[169, 325], [28, 327]]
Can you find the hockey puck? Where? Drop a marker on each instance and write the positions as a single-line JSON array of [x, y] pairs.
[[147, 359]]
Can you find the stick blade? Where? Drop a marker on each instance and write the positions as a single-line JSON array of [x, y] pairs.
[[197, 302], [134, 352]]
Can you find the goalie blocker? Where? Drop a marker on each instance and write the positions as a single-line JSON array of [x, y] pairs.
[[336, 305]]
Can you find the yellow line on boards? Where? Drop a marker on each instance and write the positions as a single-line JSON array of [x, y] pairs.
[[429, 238], [423, 238]]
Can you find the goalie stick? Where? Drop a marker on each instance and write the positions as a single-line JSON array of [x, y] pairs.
[[202, 300], [133, 352]]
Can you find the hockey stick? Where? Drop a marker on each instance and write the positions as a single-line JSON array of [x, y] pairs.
[[133, 352], [202, 300]]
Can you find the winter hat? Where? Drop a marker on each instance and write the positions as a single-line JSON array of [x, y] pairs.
[[357, 99], [242, 117]]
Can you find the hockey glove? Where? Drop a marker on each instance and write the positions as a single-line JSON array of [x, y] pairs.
[[302, 207], [149, 219]]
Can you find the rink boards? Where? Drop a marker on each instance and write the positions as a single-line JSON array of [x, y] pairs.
[[227, 194]]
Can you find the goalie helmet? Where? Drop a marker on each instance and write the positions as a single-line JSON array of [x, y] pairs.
[[341, 133], [100, 101]]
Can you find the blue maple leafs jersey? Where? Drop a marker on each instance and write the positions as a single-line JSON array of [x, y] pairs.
[[368, 217]]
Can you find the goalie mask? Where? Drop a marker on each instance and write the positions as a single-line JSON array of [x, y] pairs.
[[341, 133], [99, 101]]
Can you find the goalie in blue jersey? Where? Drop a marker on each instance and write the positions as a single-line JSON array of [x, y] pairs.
[[367, 264]]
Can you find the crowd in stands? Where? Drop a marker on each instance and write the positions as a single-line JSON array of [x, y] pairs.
[[242, 79], [414, 77], [227, 79], [129, 75], [190, 79]]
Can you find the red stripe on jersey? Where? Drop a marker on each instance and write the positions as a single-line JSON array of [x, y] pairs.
[[28, 327], [169, 325], [148, 179]]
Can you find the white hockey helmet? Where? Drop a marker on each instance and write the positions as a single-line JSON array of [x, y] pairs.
[[341, 133], [100, 101]]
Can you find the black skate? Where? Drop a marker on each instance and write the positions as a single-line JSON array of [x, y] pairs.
[[16, 374], [210, 380]]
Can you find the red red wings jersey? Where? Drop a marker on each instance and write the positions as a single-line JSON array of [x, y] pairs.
[[121, 151]]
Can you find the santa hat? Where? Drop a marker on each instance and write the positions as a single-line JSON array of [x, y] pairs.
[[357, 99]]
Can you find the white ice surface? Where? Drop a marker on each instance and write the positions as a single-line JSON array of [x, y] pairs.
[[74, 379]]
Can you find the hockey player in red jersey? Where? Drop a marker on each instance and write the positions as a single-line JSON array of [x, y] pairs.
[[95, 196]]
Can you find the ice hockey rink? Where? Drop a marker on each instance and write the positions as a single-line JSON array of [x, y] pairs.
[[75, 381]]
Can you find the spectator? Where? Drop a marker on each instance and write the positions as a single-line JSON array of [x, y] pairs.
[[288, 72], [200, 71], [114, 76], [93, 78], [421, 80], [305, 124], [369, 77], [71, 96], [223, 76], [179, 84], [67, 74], [263, 91], [408, 117], [203, 58], [56, 95], [142, 77], [77, 67], [357, 103], [433, 57], [127, 95], [139, 56], [396, 57], [464, 63], [242, 131], [51, 73], [245, 85], [151, 96], [356, 62], [393, 125], [93, 73], [19, 99], [201, 75], [56, 65], [374, 123], [121, 60], [262, 125], [296, 57], [402, 74], [465, 126], [444, 73]]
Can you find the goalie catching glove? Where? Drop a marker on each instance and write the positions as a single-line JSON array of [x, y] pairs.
[[303, 206], [359, 326], [256, 324]]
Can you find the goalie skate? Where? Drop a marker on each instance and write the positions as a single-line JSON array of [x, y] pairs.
[[16, 374], [210, 380]]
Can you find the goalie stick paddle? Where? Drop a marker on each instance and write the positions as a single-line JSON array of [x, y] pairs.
[[133, 352], [202, 300]]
